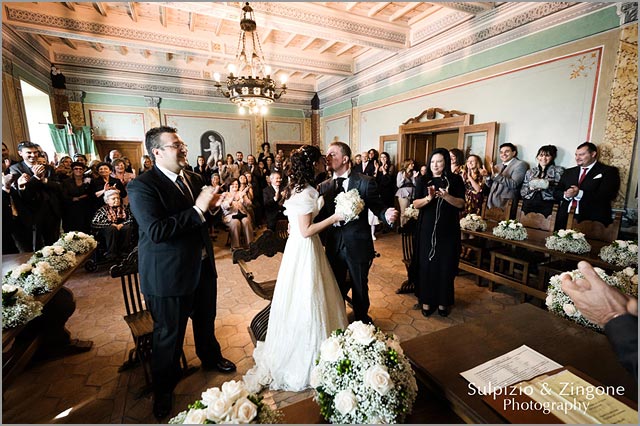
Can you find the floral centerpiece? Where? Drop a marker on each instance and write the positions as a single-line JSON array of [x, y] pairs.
[[362, 376], [568, 241], [628, 278], [349, 204], [77, 242], [473, 222], [18, 307], [38, 279], [229, 404], [510, 230], [57, 256], [560, 304], [620, 253], [410, 212]]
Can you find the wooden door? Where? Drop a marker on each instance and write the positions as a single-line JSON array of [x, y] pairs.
[[133, 150], [479, 139]]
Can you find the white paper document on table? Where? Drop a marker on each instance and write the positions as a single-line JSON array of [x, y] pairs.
[[520, 364]]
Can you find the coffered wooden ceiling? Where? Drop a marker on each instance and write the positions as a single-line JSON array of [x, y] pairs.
[[308, 41]]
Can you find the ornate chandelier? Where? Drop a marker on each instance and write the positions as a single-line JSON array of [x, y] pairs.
[[254, 92]]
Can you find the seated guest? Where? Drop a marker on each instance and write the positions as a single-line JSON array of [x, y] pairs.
[[229, 170], [243, 185], [504, 181], [473, 179], [114, 223], [539, 182], [589, 188], [235, 214], [76, 194], [147, 164], [273, 199], [103, 183]]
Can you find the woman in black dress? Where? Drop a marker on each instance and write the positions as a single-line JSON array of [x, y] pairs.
[[77, 196], [439, 195]]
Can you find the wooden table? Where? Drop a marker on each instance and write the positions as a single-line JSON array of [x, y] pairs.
[[439, 357], [19, 344]]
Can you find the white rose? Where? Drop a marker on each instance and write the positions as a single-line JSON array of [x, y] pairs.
[[195, 417], [330, 350], [244, 411], [345, 402], [622, 243], [513, 226], [47, 251], [569, 309], [629, 272], [233, 390], [314, 378], [8, 288], [219, 409], [58, 250], [562, 233], [362, 333], [578, 235], [378, 379], [68, 237], [549, 300], [633, 248], [83, 235], [634, 280], [42, 268], [210, 395]]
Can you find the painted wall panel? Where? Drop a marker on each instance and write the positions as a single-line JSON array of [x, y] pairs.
[[117, 125], [283, 131], [339, 127]]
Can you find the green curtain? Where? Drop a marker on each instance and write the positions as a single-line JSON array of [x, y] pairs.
[[62, 140]]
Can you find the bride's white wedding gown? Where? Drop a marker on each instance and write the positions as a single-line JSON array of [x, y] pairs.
[[305, 309]]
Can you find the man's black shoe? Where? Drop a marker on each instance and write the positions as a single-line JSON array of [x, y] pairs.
[[223, 365], [162, 403]]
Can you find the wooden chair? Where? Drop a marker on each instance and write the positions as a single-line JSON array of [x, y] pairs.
[[504, 261], [138, 318], [478, 247], [268, 245], [407, 231]]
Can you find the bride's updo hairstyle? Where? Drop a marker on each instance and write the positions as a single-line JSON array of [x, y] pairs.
[[302, 167]]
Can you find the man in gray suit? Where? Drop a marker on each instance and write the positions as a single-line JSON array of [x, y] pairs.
[[504, 180]]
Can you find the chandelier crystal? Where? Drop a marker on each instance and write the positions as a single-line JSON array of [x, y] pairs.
[[254, 92]]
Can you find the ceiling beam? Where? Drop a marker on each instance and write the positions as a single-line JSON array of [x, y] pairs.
[[131, 7], [290, 39], [101, 7], [425, 14], [344, 49], [163, 15], [266, 35], [487, 5], [69, 43], [466, 7], [307, 43], [192, 21], [169, 57], [350, 5], [377, 8], [69, 5], [97, 46], [123, 50], [219, 27], [44, 39], [305, 75], [327, 46], [401, 12], [146, 53]]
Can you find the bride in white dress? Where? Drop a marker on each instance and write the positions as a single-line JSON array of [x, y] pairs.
[[307, 305]]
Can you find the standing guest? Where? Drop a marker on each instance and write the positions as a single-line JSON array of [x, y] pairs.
[[423, 170], [369, 162], [127, 166], [147, 164], [386, 179], [63, 169], [269, 164], [76, 192], [229, 171], [104, 182], [357, 164], [279, 166], [92, 169], [170, 206], [273, 199], [7, 161], [473, 180], [217, 168], [540, 182], [457, 161], [113, 221], [349, 247], [120, 172], [113, 155], [405, 181], [80, 158], [202, 169], [10, 224], [504, 181], [242, 165], [235, 214], [266, 152], [589, 188], [440, 197], [252, 165]]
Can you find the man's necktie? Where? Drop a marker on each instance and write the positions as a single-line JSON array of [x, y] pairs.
[[574, 202], [340, 185], [183, 187], [504, 166]]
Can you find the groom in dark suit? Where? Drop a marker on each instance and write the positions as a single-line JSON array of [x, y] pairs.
[[176, 263], [349, 246]]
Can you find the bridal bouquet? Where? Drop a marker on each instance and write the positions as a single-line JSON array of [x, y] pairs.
[[229, 404], [568, 241], [620, 253], [628, 278], [411, 212], [510, 230], [349, 204], [57, 256], [33, 279], [17, 307], [362, 376], [473, 222], [560, 304], [77, 242]]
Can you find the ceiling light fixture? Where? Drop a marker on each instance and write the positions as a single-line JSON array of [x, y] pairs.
[[256, 91]]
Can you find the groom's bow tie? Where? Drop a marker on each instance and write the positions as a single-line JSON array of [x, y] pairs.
[[339, 184]]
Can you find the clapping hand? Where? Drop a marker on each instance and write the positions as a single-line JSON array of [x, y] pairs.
[[431, 191], [23, 179], [38, 170]]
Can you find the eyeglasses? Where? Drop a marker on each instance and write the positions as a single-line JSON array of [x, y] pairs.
[[176, 146], [79, 168]]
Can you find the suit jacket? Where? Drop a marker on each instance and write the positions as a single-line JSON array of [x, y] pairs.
[[369, 170], [506, 186], [622, 333], [272, 209], [356, 235], [172, 235], [599, 187], [38, 199]]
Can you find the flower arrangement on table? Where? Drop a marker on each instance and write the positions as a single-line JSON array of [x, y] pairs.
[[510, 230], [33, 279], [362, 376], [473, 222], [560, 304], [628, 278], [58, 257], [410, 212], [77, 242], [620, 253], [349, 204], [230, 404], [18, 307], [568, 241]]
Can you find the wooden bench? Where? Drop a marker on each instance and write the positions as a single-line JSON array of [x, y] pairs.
[[268, 244]]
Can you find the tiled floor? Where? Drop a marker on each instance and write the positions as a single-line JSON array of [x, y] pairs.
[[87, 388]]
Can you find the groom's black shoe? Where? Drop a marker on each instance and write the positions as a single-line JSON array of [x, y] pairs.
[[162, 403], [223, 365]]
